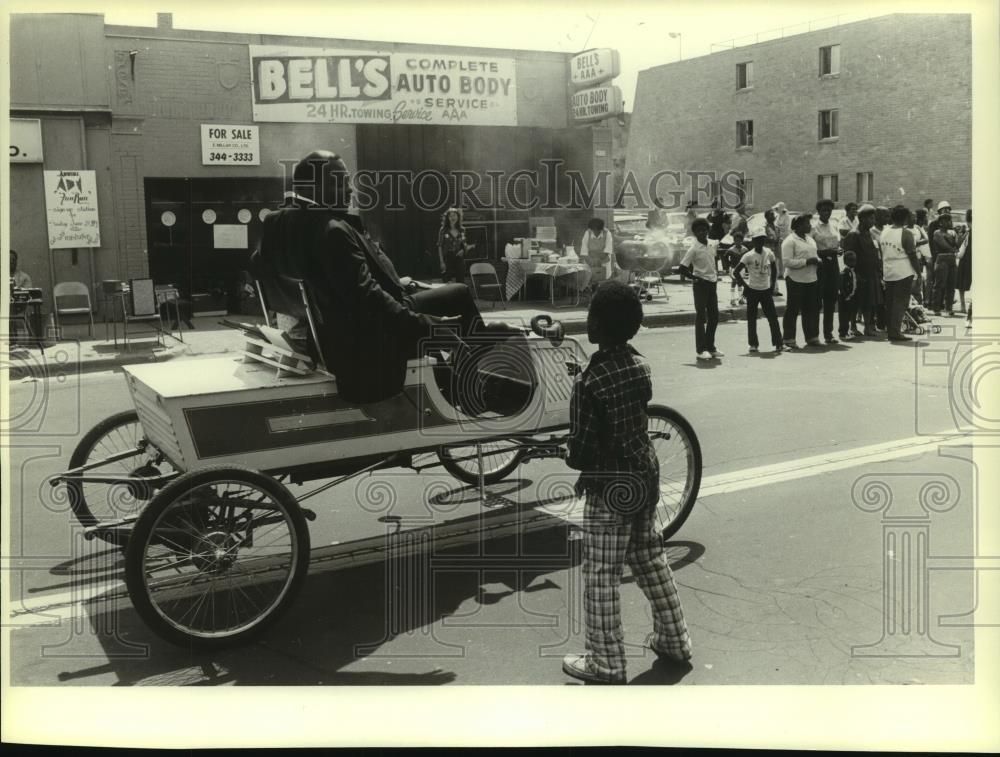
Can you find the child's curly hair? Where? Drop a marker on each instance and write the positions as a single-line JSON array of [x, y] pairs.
[[616, 307]]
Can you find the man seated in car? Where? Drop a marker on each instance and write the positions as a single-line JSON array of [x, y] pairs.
[[373, 321]]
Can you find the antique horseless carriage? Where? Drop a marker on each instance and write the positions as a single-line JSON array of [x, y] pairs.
[[194, 482]]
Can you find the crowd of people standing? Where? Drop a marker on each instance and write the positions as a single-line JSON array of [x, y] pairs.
[[869, 268]]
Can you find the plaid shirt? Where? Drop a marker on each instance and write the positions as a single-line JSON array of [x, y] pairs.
[[608, 432]]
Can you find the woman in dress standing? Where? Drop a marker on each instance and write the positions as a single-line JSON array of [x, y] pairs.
[[964, 283], [451, 246]]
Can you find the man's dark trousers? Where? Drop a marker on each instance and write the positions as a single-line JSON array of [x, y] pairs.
[[897, 297], [706, 319], [804, 299], [945, 273], [765, 299], [829, 288], [848, 315]]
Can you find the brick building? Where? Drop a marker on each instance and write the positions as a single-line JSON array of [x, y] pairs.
[[876, 110], [131, 103]]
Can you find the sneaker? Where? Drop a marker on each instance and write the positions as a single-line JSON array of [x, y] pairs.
[[576, 665], [678, 659], [716, 353], [705, 355], [754, 349]]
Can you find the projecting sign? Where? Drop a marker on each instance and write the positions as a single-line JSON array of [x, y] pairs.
[[71, 209], [594, 67], [596, 103], [325, 85], [227, 145], [25, 140]]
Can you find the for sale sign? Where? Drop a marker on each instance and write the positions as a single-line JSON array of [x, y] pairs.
[[228, 145], [597, 103]]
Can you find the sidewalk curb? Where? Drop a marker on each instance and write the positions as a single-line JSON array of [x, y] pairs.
[[573, 326]]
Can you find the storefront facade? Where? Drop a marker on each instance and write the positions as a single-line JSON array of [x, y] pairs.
[[143, 109]]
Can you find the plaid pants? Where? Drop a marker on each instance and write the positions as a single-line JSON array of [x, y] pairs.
[[609, 542]]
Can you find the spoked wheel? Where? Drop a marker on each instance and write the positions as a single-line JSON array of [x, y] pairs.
[[93, 503], [679, 455], [500, 458], [216, 556]]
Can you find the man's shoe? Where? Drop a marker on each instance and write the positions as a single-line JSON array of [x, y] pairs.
[[706, 355], [575, 665], [900, 338], [666, 656], [832, 339], [754, 349], [716, 353], [791, 345], [813, 342], [779, 348]]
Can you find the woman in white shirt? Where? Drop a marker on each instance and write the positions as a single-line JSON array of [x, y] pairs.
[[597, 249], [799, 254], [899, 266]]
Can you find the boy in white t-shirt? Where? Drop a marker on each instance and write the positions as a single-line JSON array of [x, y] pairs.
[[761, 269], [698, 263]]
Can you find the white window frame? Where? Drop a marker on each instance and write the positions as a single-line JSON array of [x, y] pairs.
[[865, 186], [834, 124], [828, 187], [834, 59], [747, 68]]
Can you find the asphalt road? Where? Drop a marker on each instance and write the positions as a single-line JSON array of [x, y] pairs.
[[782, 566]]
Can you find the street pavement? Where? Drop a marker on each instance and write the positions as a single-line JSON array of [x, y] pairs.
[[783, 566]]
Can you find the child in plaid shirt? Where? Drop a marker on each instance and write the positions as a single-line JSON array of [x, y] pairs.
[[610, 446]]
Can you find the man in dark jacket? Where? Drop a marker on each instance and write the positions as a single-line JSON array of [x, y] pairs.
[[373, 320]]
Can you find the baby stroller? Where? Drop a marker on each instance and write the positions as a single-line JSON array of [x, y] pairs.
[[915, 320]]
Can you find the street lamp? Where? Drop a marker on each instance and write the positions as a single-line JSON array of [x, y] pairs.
[[677, 36]]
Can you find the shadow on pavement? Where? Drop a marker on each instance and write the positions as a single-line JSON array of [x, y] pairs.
[[403, 610]]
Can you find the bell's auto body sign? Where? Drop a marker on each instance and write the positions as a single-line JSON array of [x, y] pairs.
[[596, 103], [594, 67], [323, 85]]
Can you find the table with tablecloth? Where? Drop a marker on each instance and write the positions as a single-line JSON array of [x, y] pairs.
[[519, 269]]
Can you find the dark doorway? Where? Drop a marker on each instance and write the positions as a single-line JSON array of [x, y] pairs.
[[409, 234], [201, 233]]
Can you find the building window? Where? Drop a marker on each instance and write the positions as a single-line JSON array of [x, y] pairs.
[[866, 186], [744, 190], [744, 133], [826, 187], [829, 124], [744, 75], [829, 60]]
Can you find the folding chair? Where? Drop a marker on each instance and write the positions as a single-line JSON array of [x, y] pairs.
[[484, 276], [140, 306], [72, 298]]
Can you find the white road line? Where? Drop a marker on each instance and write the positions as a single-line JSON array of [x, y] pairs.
[[51, 609]]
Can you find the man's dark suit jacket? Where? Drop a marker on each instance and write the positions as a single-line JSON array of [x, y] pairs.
[[367, 332]]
